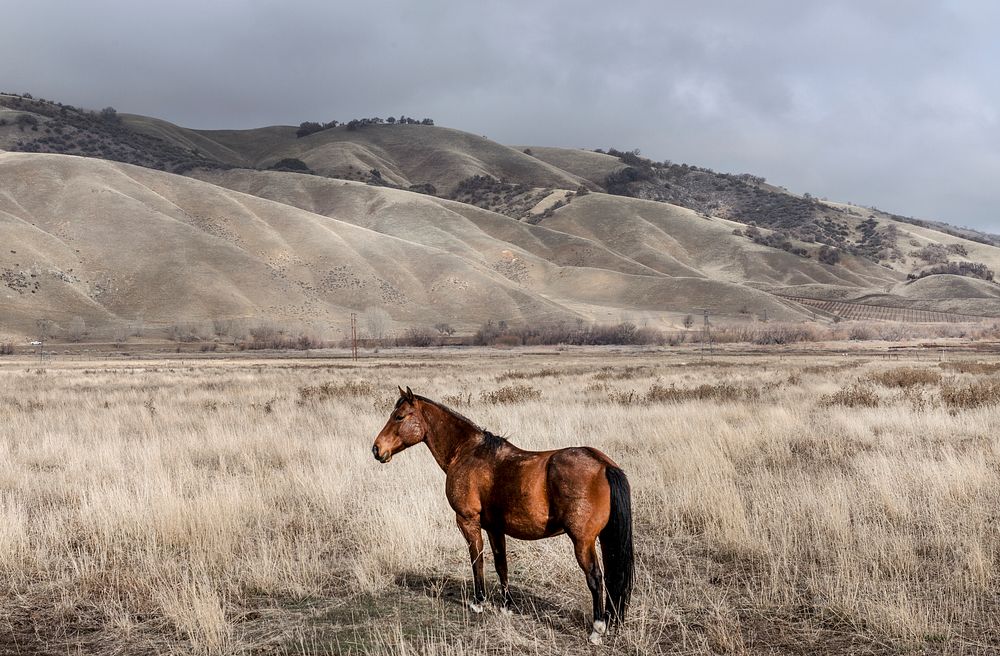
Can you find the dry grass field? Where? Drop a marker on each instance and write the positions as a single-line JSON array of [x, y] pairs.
[[783, 504]]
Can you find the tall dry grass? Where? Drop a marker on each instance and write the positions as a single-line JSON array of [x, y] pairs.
[[224, 507]]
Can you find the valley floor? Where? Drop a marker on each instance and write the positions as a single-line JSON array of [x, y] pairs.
[[824, 502]]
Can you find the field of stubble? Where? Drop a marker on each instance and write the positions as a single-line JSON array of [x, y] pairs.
[[819, 504]]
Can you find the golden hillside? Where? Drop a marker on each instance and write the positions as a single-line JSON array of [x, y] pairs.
[[112, 242], [535, 242]]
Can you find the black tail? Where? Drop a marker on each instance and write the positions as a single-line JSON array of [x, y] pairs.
[[616, 546]]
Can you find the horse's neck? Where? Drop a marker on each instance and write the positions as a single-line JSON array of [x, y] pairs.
[[446, 434]]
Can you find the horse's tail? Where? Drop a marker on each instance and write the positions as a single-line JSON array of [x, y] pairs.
[[616, 546]]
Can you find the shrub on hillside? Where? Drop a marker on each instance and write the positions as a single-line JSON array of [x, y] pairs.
[[291, 164], [932, 253], [967, 269], [828, 255]]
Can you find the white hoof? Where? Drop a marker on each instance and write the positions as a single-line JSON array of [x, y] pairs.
[[600, 627], [504, 610], [595, 638], [475, 608]]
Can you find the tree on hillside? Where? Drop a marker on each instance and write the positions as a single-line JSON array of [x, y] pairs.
[[829, 255], [307, 127], [109, 115]]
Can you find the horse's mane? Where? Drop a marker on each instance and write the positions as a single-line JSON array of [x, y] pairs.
[[493, 442], [490, 440]]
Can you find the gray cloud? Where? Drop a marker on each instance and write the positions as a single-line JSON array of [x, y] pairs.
[[879, 102]]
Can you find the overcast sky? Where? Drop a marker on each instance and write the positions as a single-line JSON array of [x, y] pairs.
[[879, 102]]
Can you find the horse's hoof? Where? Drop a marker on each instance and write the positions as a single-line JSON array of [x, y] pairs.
[[595, 638], [600, 627], [475, 608], [505, 610]]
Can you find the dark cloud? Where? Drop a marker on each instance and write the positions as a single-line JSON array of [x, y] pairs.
[[878, 102]]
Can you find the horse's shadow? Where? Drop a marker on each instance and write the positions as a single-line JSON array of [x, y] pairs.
[[457, 592]]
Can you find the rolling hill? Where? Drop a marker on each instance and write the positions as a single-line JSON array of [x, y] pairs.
[[93, 230]]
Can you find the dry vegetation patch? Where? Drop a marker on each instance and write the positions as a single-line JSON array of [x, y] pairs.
[[333, 390], [971, 395], [724, 391], [527, 375], [817, 516], [905, 377], [966, 367]]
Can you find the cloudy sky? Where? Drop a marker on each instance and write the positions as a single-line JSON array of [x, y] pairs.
[[886, 103]]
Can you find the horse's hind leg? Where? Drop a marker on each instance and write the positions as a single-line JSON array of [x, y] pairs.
[[586, 556], [498, 543]]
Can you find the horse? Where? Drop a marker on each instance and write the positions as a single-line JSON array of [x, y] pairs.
[[493, 485]]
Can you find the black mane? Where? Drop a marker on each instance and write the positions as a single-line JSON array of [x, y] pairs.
[[493, 442]]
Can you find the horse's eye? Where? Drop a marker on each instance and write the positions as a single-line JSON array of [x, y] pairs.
[[398, 417]]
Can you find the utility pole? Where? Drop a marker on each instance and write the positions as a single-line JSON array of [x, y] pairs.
[[43, 329], [708, 333], [354, 336]]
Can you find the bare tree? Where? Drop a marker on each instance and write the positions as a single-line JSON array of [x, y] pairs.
[[376, 322], [44, 327], [222, 327], [444, 328], [77, 329], [119, 332]]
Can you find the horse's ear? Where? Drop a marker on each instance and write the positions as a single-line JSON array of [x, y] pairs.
[[402, 393], [408, 395]]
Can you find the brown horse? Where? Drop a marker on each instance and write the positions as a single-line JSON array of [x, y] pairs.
[[493, 485]]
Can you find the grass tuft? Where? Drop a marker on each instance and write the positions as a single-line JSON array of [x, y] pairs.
[[972, 395], [856, 395], [511, 394]]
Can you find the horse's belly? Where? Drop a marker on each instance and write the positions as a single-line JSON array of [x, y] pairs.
[[532, 533], [523, 524]]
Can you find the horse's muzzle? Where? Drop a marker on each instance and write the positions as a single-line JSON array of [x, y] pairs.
[[378, 456]]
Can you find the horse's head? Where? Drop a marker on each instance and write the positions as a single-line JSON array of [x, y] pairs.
[[404, 428]]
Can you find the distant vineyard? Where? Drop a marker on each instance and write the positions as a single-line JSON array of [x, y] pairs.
[[863, 312]]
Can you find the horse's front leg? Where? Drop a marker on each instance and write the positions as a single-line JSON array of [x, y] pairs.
[[472, 531]]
